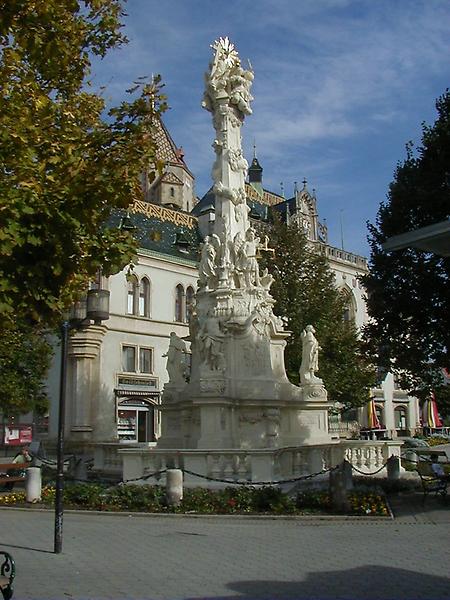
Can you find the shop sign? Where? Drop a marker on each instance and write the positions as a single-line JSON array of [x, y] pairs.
[[18, 435]]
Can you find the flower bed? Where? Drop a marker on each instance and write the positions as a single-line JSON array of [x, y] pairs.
[[236, 500]]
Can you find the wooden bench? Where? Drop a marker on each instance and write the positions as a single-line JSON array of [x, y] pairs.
[[9, 480], [7, 574], [431, 483]]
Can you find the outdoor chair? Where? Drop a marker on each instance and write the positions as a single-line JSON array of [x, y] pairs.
[[431, 483]]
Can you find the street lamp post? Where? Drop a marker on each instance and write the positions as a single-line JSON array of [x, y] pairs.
[[96, 308]]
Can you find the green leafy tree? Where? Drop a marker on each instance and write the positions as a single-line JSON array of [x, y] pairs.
[[408, 290], [24, 360], [305, 294], [64, 165]]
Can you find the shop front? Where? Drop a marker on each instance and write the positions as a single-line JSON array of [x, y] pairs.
[[137, 416]]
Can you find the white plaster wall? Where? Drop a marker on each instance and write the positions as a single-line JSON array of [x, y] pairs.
[[151, 332], [346, 277], [164, 276]]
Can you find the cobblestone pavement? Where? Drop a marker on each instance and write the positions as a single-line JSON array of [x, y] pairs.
[[174, 558]]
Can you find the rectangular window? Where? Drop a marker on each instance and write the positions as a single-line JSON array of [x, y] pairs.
[[142, 306], [145, 360], [129, 359], [130, 302]]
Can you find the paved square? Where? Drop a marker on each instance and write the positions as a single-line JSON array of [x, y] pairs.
[[177, 557]]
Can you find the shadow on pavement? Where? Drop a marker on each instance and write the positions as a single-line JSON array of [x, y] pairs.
[[412, 505], [363, 583], [27, 548]]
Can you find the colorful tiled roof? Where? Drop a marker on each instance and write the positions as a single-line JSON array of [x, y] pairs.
[[166, 147], [168, 177], [267, 197], [254, 200], [163, 230]]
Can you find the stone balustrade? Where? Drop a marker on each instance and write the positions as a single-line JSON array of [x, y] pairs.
[[344, 256], [369, 456], [252, 466]]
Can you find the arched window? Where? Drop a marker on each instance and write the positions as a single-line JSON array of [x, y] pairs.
[[349, 314], [179, 301], [172, 192], [400, 417], [190, 293], [144, 297], [132, 295]]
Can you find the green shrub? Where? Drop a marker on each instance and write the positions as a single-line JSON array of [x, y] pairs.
[[317, 500], [83, 494], [136, 497], [200, 500], [272, 500], [232, 500]]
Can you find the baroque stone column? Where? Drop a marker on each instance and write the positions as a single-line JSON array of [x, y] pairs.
[[238, 395]]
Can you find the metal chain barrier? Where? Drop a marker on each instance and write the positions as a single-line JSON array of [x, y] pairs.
[[206, 477], [369, 474], [229, 481], [144, 477], [291, 480]]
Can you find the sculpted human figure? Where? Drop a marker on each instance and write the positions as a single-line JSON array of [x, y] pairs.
[[310, 356], [241, 82], [237, 160], [251, 267], [227, 77], [176, 363], [211, 343], [207, 268]]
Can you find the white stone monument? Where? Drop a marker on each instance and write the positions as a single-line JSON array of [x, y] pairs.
[[238, 395]]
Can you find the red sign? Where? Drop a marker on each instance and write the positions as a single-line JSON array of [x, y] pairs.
[[18, 435]]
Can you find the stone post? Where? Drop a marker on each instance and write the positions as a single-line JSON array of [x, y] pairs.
[[393, 467], [174, 486], [348, 474], [33, 484], [338, 489]]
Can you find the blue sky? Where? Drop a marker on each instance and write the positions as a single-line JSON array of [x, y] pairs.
[[340, 87]]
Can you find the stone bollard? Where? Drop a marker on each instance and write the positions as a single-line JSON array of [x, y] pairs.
[[33, 484], [393, 467], [174, 486], [347, 474], [80, 469], [338, 489]]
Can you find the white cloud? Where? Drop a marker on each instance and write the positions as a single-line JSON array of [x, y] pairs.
[[330, 78]]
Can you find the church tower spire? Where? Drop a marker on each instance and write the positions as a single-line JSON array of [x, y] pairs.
[[255, 172]]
